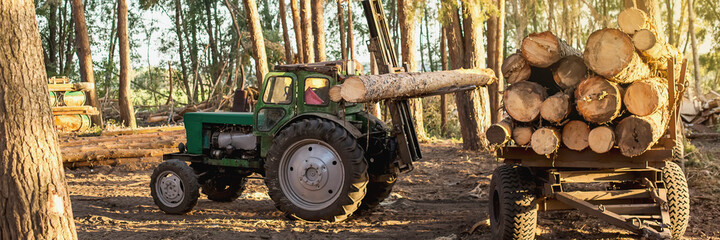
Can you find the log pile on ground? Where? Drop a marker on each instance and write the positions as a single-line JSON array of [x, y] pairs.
[[119, 148], [613, 95]]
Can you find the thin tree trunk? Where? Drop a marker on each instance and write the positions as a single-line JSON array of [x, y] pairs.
[[261, 65], [127, 113], [445, 66], [33, 191], [696, 61], [427, 39], [211, 38], [110, 62], [52, 41], [406, 16], [307, 37], [286, 35], [492, 39], [181, 51], [298, 30], [85, 57], [69, 49], [351, 30], [170, 81], [341, 22], [318, 29], [472, 105], [670, 22]]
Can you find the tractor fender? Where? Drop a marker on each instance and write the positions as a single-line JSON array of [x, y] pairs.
[[343, 123]]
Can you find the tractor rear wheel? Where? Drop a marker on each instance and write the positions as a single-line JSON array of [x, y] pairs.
[[224, 188], [513, 209], [316, 170], [174, 187], [378, 189], [678, 198]]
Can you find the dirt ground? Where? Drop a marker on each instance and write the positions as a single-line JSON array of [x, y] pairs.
[[443, 198]]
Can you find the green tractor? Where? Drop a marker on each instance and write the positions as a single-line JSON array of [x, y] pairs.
[[321, 160]]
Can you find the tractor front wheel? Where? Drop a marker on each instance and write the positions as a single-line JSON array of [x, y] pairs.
[[174, 187], [316, 170]]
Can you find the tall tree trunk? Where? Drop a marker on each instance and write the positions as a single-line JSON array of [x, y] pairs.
[[351, 30], [110, 61], [33, 191], [211, 39], [51, 65], [307, 37], [181, 50], [445, 66], [406, 16], [670, 33], [297, 26], [69, 49], [427, 39], [286, 35], [341, 23], [495, 40], [261, 65], [82, 42], [693, 42], [127, 112], [318, 29]]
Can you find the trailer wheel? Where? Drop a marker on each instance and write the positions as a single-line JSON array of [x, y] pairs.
[[316, 170], [513, 209], [678, 152], [678, 198], [224, 188], [174, 187]]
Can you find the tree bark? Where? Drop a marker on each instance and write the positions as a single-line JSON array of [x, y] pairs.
[[351, 30], [127, 112], [545, 141], [307, 37], [635, 134], [318, 29], [693, 42], [601, 139], [406, 16], [523, 100], [544, 49], [211, 39], [598, 100], [611, 54], [286, 35], [51, 64], [445, 67], [258, 41], [298, 30], [84, 54], [575, 135], [379, 87], [341, 26], [33, 192]]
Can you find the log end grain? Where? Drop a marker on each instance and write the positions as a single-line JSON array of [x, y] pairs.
[[570, 71], [601, 139], [608, 52], [575, 135], [545, 141], [522, 135], [523, 100], [644, 97], [335, 94], [644, 39], [636, 134], [632, 20], [541, 49], [353, 90], [598, 100], [515, 68], [499, 133], [556, 108]]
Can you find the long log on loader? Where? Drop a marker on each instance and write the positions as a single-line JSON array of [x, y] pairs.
[[515, 69], [501, 132], [523, 100], [545, 141], [601, 139], [636, 134], [598, 100], [645, 97], [575, 135], [544, 49], [556, 108], [370, 88], [610, 53], [522, 135]]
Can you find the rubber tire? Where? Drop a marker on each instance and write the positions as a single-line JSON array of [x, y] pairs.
[[513, 207], [378, 190], [350, 153], [190, 185], [678, 198], [232, 186]]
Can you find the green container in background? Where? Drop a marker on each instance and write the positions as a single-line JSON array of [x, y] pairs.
[[74, 98]]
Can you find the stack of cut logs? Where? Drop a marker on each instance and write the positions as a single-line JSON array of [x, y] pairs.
[[125, 148], [615, 94], [68, 104]]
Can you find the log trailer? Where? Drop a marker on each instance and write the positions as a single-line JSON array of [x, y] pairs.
[[647, 194], [321, 160]]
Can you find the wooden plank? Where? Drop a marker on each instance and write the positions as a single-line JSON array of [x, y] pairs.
[[83, 86], [65, 110], [565, 157]]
